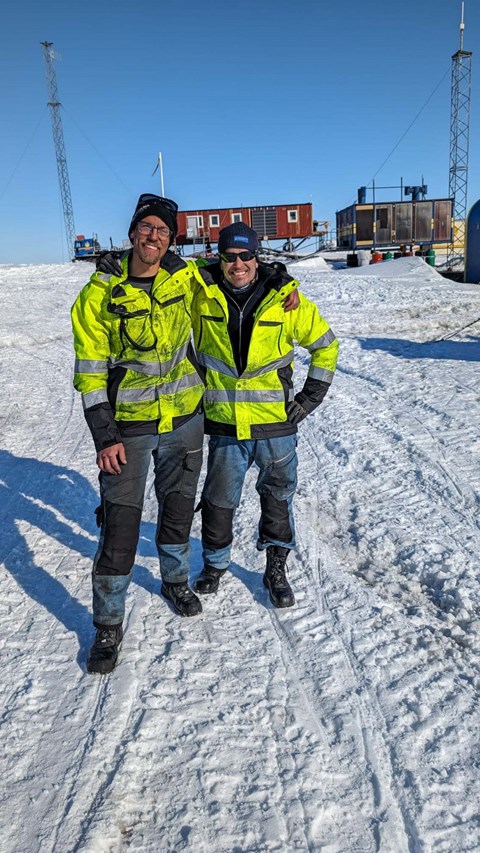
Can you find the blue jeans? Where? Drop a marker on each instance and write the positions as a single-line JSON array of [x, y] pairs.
[[177, 458], [228, 462]]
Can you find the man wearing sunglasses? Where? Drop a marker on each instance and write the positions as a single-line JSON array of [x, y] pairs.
[[244, 340], [142, 397]]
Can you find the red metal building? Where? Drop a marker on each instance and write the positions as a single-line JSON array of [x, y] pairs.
[[272, 222]]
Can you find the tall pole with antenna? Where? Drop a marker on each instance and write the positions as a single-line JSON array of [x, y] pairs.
[[459, 137], [160, 166], [59, 143]]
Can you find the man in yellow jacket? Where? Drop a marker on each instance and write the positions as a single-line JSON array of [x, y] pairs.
[[142, 396], [244, 341]]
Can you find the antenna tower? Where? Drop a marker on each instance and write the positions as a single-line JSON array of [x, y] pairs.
[[459, 135], [62, 169]]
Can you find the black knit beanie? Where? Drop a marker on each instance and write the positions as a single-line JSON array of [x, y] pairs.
[[152, 205], [237, 236]]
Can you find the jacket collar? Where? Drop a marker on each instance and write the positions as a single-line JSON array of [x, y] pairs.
[[172, 263]]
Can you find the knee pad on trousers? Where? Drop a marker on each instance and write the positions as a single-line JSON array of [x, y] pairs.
[[121, 529], [275, 521], [176, 521], [217, 524]]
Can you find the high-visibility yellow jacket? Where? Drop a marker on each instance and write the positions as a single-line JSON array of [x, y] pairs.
[[135, 365], [254, 401]]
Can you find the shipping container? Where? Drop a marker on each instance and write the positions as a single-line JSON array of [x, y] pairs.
[[382, 224]]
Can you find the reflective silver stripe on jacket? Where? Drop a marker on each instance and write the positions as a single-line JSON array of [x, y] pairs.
[[87, 365], [323, 341], [217, 395], [153, 392], [94, 398], [321, 373], [216, 364], [189, 381], [221, 367], [151, 368], [273, 365]]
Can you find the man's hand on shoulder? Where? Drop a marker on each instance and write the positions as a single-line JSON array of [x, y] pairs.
[[111, 458], [109, 262], [292, 301]]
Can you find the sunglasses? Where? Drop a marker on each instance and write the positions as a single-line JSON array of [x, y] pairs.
[[149, 198], [231, 257]]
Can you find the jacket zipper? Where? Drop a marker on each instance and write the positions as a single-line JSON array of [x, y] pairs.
[[240, 316]]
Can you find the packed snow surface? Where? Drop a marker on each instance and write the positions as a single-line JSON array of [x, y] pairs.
[[347, 724]]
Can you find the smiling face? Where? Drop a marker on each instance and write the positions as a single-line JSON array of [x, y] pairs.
[[150, 238], [239, 273]]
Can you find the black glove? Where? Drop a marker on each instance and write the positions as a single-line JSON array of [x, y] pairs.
[[296, 412], [109, 262]]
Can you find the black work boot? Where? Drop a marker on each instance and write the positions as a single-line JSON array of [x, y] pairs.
[[275, 577], [208, 579], [181, 597], [103, 655]]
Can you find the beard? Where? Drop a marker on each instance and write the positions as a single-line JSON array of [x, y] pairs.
[[148, 257]]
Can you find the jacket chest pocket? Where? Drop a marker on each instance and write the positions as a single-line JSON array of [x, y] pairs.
[[268, 336], [171, 322], [212, 330], [163, 304], [138, 333], [135, 324]]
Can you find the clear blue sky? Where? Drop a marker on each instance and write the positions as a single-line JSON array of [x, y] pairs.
[[257, 102]]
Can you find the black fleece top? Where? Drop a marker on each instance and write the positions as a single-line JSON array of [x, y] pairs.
[[242, 304]]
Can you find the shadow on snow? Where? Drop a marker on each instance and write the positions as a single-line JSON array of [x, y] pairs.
[[60, 503], [450, 350]]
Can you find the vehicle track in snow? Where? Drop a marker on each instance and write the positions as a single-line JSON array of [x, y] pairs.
[[382, 515], [316, 752], [352, 720], [347, 511], [97, 720], [360, 622]]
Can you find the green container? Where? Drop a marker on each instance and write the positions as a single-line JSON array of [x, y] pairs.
[[430, 258], [388, 256]]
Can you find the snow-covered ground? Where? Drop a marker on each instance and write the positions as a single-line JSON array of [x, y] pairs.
[[347, 724]]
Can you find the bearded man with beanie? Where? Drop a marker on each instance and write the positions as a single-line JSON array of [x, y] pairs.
[[244, 340], [142, 396]]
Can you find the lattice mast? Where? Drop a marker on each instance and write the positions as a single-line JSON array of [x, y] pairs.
[[459, 137], [60, 154]]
